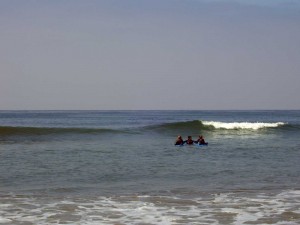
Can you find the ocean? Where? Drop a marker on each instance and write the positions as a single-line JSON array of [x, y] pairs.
[[122, 167]]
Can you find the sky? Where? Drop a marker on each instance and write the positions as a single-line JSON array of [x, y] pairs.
[[149, 54]]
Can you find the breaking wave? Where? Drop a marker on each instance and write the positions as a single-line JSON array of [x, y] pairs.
[[197, 125], [188, 126], [242, 125]]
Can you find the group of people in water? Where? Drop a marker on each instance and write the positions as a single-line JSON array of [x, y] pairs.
[[190, 141]]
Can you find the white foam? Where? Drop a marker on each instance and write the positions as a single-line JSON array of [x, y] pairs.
[[241, 125], [3, 220], [234, 208]]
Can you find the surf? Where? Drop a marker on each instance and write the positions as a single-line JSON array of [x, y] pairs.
[[242, 125], [199, 125]]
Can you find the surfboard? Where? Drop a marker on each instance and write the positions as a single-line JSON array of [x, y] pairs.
[[195, 144]]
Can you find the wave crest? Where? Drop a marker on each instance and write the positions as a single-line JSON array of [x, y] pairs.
[[241, 125]]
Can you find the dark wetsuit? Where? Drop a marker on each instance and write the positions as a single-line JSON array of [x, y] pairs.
[[201, 141], [179, 142]]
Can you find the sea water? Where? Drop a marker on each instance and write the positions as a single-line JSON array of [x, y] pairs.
[[121, 167]]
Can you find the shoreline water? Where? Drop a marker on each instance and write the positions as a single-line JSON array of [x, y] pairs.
[[221, 208]]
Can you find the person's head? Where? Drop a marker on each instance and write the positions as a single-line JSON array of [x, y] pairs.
[[179, 137], [189, 137], [200, 136]]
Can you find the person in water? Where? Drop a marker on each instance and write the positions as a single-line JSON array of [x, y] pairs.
[[179, 141], [201, 140], [189, 141]]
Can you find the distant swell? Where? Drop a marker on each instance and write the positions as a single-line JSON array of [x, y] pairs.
[[9, 131], [242, 125]]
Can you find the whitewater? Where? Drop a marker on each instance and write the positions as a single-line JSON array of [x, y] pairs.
[[241, 125]]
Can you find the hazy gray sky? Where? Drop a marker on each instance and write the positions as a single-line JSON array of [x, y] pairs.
[[155, 54]]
